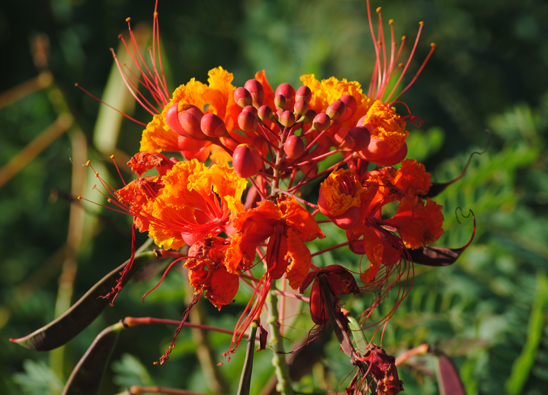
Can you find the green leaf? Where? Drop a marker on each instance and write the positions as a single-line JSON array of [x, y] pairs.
[[38, 379], [82, 313], [522, 366], [86, 377]]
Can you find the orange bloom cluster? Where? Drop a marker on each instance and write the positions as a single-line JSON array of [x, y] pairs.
[[246, 152]]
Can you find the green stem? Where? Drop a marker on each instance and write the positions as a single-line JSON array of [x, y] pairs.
[[278, 361]]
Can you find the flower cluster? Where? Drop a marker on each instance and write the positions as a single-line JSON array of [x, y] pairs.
[[234, 195]]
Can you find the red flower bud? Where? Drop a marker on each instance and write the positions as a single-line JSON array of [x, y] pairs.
[[304, 93], [246, 161], [309, 116], [247, 121], [289, 93], [393, 159], [300, 107], [265, 113], [213, 126], [321, 121], [294, 146], [251, 109], [336, 109], [351, 106], [190, 144], [356, 139], [242, 97], [189, 122], [279, 101], [287, 119], [256, 90]]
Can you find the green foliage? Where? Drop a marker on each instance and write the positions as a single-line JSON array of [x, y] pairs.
[[485, 311]]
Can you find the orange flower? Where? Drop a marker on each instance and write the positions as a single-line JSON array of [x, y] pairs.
[[414, 225], [186, 204], [216, 98], [208, 274], [288, 225]]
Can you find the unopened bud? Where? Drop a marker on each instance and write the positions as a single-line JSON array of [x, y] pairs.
[[189, 120], [250, 109], [265, 113], [279, 101], [336, 109], [246, 161], [351, 106], [321, 121], [309, 116], [287, 119], [242, 97], [294, 146], [256, 90], [304, 93], [287, 91], [300, 107], [213, 126], [247, 121], [356, 139]]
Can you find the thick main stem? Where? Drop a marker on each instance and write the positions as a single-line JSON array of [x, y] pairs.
[[278, 360]]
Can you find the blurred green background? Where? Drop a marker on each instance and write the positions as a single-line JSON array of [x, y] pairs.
[[488, 311]]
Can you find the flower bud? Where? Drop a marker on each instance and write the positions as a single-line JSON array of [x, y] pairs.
[[287, 91], [190, 144], [309, 116], [287, 119], [242, 97], [246, 161], [321, 121], [279, 101], [213, 126], [189, 120], [351, 106], [304, 93], [265, 113], [300, 107], [256, 90], [172, 119], [247, 121], [250, 109], [336, 110], [294, 146], [356, 139], [393, 159]]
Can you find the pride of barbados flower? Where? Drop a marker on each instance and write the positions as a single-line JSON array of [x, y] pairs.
[[235, 197]]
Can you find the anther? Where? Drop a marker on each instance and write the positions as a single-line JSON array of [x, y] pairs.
[[378, 9], [88, 162], [421, 23], [79, 197], [128, 19], [97, 174], [112, 157], [391, 22]]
